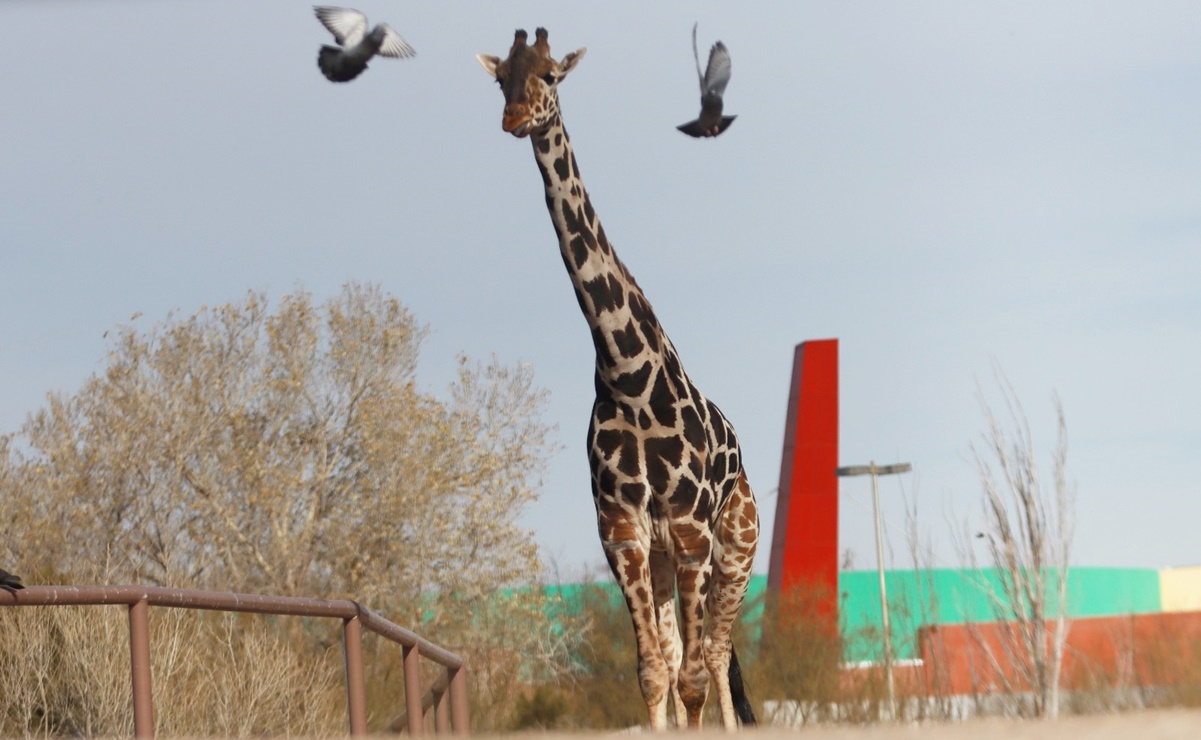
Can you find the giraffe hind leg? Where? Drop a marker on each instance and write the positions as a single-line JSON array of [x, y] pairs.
[[734, 547]]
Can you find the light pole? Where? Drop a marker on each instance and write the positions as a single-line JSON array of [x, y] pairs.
[[875, 471]]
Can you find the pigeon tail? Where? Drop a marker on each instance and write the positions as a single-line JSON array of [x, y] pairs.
[[704, 129]]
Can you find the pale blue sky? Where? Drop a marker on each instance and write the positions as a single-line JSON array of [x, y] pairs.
[[943, 186]]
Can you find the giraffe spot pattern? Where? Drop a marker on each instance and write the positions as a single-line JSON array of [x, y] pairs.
[[632, 384], [627, 412], [684, 497], [663, 456], [694, 433], [561, 168], [629, 344], [579, 252], [600, 292], [635, 493]]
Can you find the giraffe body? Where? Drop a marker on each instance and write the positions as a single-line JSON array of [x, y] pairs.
[[674, 510]]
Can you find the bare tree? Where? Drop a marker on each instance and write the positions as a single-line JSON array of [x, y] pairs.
[[288, 449], [1028, 533]]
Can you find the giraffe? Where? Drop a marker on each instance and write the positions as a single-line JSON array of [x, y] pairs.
[[673, 506]]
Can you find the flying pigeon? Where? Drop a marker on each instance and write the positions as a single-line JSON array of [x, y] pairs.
[[9, 582], [713, 85], [356, 46]]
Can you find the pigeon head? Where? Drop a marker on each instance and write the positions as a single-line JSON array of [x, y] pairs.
[[529, 77]]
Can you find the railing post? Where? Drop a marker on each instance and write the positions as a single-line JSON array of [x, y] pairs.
[[139, 661], [356, 699], [441, 709], [460, 717], [412, 673]]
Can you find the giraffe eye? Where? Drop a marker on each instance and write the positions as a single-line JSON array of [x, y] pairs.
[[550, 78]]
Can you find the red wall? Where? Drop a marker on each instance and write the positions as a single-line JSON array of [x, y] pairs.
[[805, 535], [1133, 650]]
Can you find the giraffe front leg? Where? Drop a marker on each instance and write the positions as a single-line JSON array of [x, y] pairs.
[[631, 567], [663, 575]]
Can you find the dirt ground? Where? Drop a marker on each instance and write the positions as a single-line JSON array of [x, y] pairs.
[[1149, 725]]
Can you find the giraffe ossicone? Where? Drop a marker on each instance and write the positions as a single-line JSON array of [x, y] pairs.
[[675, 513]]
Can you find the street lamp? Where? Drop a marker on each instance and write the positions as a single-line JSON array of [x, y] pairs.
[[875, 471]]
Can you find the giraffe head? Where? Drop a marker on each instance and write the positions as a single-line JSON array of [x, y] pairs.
[[528, 77]]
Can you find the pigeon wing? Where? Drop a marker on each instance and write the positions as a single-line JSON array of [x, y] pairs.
[[348, 26], [393, 45], [696, 55], [717, 75]]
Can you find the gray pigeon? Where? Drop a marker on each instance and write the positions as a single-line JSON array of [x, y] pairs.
[[9, 582], [713, 85], [356, 47]]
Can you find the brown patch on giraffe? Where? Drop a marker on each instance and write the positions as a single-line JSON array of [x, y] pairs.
[[692, 544], [632, 384], [614, 524], [605, 481], [635, 493], [739, 522], [683, 499], [632, 568], [663, 454], [688, 580], [647, 611]]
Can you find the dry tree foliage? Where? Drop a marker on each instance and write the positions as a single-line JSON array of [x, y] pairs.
[[288, 450], [1028, 530], [796, 673], [603, 692]]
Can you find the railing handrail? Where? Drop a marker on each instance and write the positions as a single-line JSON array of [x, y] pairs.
[[229, 601], [353, 614]]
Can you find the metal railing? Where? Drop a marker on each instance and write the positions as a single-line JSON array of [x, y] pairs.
[[354, 616]]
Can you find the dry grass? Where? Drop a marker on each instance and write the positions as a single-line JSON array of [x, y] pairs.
[[65, 671]]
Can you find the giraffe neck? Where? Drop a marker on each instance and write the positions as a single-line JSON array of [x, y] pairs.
[[630, 344]]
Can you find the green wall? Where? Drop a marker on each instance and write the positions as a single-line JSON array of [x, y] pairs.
[[938, 596], [948, 596]]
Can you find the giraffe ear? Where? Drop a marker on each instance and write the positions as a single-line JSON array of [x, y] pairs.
[[570, 61], [488, 62]]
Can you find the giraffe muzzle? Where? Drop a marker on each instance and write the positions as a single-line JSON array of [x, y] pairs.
[[519, 127], [516, 120]]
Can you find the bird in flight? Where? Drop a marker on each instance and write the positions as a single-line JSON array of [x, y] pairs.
[[10, 582], [713, 85], [356, 47]]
